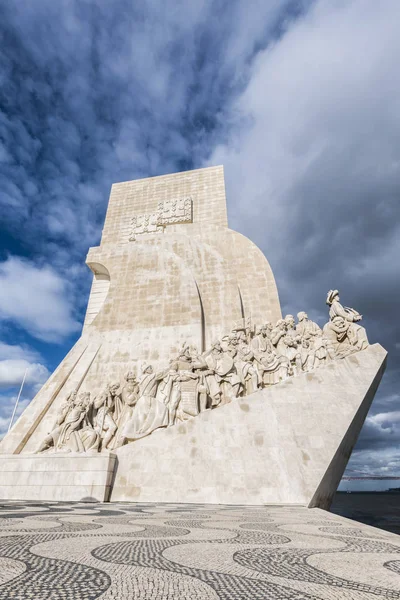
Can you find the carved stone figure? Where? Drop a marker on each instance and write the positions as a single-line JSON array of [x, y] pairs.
[[222, 371], [240, 335], [229, 344], [69, 418], [277, 335], [66, 407], [187, 381], [86, 437], [149, 413], [286, 341], [169, 391], [310, 331], [246, 369], [292, 341], [200, 369], [69, 438], [129, 398], [321, 351], [261, 342], [307, 355], [109, 407], [269, 327], [184, 360], [272, 368], [342, 329], [306, 328]]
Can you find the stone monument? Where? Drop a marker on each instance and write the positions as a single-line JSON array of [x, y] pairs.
[[187, 385]]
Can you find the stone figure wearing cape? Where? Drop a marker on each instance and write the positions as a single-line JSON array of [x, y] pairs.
[[150, 412], [273, 368], [223, 371], [129, 398]]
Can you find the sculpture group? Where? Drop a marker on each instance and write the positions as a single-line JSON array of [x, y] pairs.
[[247, 359]]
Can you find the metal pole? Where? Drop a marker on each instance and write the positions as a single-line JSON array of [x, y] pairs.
[[17, 400]]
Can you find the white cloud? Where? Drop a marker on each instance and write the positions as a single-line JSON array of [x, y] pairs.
[[16, 352], [15, 360], [12, 372], [36, 299], [382, 419], [7, 404]]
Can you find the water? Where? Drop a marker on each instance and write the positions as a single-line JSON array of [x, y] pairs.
[[379, 509], [368, 485]]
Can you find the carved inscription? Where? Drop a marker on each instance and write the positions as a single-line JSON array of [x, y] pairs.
[[144, 224], [170, 212], [175, 211]]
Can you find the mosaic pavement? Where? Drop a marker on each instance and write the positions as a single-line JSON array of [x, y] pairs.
[[72, 551]]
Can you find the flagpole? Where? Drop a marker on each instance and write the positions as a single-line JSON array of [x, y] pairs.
[[18, 397]]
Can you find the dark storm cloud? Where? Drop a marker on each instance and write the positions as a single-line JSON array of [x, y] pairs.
[[95, 92]]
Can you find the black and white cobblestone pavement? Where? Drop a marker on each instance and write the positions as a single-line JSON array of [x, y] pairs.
[[74, 551]]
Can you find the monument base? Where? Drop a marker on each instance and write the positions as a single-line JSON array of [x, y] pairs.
[[54, 477], [286, 444]]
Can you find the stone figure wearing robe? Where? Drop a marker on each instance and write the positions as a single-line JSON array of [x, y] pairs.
[[272, 368], [169, 391], [70, 418], [277, 335], [306, 328], [289, 343], [149, 413], [88, 436], [307, 355], [310, 331], [66, 407], [109, 407], [69, 437], [72, 434], [222, 371], [129, 397], [245, 367], [285, 341]]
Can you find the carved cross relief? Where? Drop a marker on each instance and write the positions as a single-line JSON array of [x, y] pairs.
[[169, 212]]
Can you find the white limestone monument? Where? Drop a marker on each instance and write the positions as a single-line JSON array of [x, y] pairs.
[[187, 385]]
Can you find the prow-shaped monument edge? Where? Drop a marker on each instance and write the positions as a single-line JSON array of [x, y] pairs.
[[186, 372], [330, 481]]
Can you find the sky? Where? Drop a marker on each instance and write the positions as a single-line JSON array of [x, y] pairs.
[[298, 99]]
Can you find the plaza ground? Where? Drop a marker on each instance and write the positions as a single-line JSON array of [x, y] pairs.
[[77, 551]]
